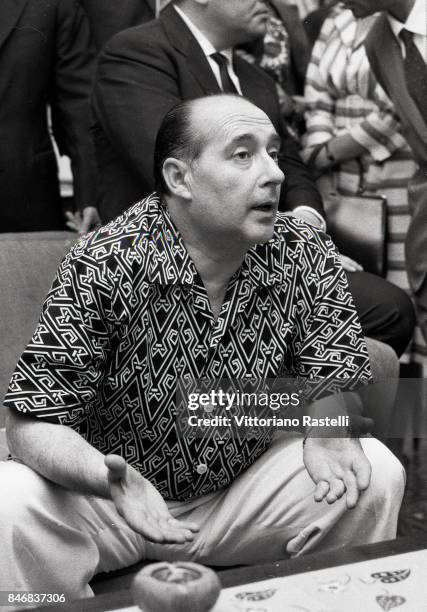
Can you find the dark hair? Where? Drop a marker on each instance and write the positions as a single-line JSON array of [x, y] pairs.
[[176, 138]]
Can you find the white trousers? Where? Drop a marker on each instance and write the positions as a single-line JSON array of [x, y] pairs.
[[53, 540]]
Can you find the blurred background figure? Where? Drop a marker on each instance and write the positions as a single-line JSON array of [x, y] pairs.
[[107, 17], [397, 51], [313, 19], [283, 53], [46, 58], [354, 136]]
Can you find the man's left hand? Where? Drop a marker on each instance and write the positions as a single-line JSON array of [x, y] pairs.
[[337, 466], [350, 265], [84, 221]]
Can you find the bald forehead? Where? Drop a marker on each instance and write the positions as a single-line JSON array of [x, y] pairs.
[[222, 118]]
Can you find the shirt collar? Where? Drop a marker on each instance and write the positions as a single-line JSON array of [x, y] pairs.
[[416, 22], [168, 260], [170, 263], [205, 43]]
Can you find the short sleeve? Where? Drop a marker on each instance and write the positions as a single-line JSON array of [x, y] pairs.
[[330, 348], [59, 373]]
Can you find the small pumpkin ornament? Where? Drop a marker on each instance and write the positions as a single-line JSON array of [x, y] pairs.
[[176, 587]]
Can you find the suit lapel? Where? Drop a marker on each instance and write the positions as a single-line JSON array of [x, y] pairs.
[[298, 40], [252, 88], [382, 43], [184, 42], [10, 12]]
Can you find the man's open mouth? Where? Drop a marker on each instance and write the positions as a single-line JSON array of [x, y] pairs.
[[265, 207]]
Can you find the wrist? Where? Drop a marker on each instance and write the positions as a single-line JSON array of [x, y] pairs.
[[310, 215], [330, 156]]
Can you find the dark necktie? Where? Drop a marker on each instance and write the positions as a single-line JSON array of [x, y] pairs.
[[415, 72], [227, 84]]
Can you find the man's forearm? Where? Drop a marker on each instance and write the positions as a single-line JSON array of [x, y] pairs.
[[58, 453]]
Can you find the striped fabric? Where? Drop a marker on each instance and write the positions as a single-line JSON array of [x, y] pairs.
[[343, 97]]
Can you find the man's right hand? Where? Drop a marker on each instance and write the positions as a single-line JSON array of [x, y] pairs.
[[142, 506], [337, 466]]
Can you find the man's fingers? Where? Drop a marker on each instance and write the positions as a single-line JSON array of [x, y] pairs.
[[116, 466], [71, 222], [352, 494], [84, 227], [184, 525], [172, 534], [151, 530], [322, 489], [336, 490], [362, 469], [350, 264]]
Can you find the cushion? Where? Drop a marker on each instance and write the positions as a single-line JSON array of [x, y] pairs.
[[28, 262]]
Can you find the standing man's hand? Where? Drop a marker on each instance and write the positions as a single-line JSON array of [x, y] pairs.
[[84, 221], [337, 466], [142, 506]]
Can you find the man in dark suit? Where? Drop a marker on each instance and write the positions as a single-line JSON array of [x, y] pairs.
[[144, 71], [45, 58], [107, 17], [397, 51]]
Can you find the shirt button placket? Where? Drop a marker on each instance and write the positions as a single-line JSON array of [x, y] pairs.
[[202, 468]]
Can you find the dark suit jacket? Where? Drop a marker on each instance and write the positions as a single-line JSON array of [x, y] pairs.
[[387, 63], [107, 17], [145, 71], [45, 58], [298, 43]]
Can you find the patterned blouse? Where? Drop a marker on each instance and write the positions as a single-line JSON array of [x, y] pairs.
[[128, 315], [341, 94]]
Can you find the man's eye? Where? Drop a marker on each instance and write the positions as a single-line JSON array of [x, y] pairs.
[[274, 154], [242, 154]]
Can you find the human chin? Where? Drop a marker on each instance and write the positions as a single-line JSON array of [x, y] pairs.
[[260, 232], [258, 26]]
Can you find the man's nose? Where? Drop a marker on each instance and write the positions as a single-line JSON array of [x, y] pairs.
[[273, 174]]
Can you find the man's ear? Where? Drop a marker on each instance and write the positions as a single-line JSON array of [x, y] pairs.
[[175, 174]]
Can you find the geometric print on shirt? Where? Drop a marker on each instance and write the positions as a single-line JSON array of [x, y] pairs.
[[128, 315]]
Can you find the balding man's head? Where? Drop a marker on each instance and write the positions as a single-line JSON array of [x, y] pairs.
[[216, 160], [227, 23], [189, 126]]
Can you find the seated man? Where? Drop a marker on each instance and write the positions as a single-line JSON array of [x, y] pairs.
[[144, 71], [195, 281]]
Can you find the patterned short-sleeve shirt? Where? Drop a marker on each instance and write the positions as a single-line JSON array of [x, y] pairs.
[[128, 315]]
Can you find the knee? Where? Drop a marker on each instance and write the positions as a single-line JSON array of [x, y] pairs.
[[383, 359], [385, 311], [388, 475], [398, 316], [22, 486]]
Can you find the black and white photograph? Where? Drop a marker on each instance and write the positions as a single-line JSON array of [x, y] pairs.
[[213, 311]]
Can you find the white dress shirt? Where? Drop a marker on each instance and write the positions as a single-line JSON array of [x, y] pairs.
[[208, 49], [417, 24]]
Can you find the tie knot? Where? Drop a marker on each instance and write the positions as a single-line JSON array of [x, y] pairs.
[[220, 58], [406, 36]]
